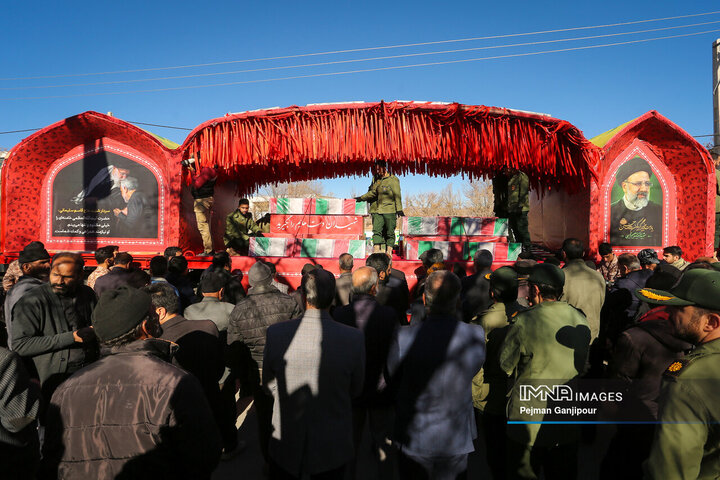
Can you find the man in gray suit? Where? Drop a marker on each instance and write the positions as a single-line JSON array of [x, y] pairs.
[[313, 367], [431, 366], [344, 282]]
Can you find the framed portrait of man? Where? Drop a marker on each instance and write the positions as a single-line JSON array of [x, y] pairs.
[[636, 211]]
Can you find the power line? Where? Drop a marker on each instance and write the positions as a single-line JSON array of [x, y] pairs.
[[128, 121], [352, 50], [156, 125], [491, 47], [377, 69]]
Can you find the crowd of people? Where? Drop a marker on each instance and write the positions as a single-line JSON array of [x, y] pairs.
[[135, 374]]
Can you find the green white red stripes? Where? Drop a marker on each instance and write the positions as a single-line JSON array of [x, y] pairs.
[[454, 226], [305, 247], [318, 206]]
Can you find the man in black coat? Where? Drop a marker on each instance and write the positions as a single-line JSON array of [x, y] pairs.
[[199, 353], [122, 273], [641, 355], [390, 290], [34, 262], [19, 408], [378, 324], [51, 324], [132, 414], [475, 292]]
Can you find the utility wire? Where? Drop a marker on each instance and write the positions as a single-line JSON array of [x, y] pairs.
[[378, 69], [491, 47], [156, 125], [352, 50]]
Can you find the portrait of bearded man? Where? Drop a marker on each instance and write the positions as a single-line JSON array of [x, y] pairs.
[[634, 219]]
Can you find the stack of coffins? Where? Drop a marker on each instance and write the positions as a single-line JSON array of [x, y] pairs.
[[314, 228], [458, 237]]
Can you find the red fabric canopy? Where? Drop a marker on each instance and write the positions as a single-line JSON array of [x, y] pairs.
[[325, 141]]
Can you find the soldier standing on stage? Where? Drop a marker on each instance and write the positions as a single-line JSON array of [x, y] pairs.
[[511, 189], [687, 440], [385, 201]]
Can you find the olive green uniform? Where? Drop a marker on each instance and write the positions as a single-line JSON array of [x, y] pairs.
[[687, 439], [548, 345], [385, 200], [489, 386], [518, 205], [238, 230]]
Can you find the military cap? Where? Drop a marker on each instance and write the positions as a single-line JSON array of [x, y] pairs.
[[634, 165], [503, 279], [699, 287], [547, 274], [647, 256]]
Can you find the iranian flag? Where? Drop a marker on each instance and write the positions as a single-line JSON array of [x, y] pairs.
[[454, 226], [458, 251], [270, 247], [290, 205], [327, 248], [339, 206]]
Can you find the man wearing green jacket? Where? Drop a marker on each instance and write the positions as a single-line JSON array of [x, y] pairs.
[[239, 227], [687, 439], [385, 200], [511, 189], [546, 346]]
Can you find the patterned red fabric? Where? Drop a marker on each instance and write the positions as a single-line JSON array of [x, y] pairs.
[[691, 166], [28, 163]]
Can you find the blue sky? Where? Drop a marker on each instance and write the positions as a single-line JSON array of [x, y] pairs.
[[595, 89]]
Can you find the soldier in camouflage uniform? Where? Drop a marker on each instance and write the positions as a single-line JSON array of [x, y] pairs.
[[239, 227], [687, 438], [385, 200], [511, 190]]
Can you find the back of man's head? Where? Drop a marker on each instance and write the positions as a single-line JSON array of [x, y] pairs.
[[629, 261], [363, 280], [158, 266], [221, 260], [177, 265], [123, 259], [573, 248], [103, 254], [213, 282], [378, 261], [483, 259], [172, 252], [345, 262], [319, 288], [442, 291], [163, 296], [119, 315], [431, 257]]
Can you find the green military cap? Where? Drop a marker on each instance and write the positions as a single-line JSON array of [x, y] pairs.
[[698, 287], [715, 265], [547, 274], [503, 279]]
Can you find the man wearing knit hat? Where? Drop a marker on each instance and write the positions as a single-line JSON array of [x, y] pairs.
[[263, 306], [634, 219], [132, 413], [34, 263]]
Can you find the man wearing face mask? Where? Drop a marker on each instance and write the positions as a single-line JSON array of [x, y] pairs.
[[34, 263], [687, 441], [51, 324], [634, 219]]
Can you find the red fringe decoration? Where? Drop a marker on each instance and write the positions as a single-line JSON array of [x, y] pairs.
[[327, 141]]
